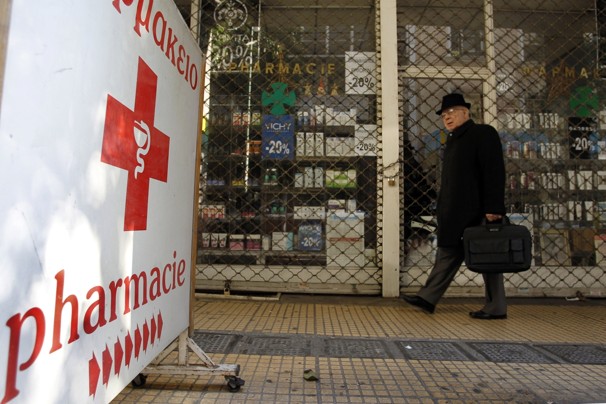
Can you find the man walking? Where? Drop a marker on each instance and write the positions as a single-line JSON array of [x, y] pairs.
[[472, 188]]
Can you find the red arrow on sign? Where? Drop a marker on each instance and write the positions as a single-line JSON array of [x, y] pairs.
[[145, 336], [93, 375], [107, 365], [118, 355], [160, 324], [153, 330], [137, 343], [128, 342]]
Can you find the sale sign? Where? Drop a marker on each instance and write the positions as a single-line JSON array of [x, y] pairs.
[[580, 136], [360, 68], [278, 137], [98, 130]]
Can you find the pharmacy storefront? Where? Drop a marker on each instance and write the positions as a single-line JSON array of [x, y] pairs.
[[321, 148]]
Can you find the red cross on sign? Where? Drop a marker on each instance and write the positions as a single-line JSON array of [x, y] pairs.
[[131, 142]]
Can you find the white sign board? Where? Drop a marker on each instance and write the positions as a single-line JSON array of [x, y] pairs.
[[360, 68], [98, 132], [366, 140]]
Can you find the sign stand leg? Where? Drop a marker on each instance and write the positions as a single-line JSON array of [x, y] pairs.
[[174, 360]]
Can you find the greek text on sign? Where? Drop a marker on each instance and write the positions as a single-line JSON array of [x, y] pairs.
[[360, 70]]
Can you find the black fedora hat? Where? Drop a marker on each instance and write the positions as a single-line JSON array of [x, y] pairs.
[[453, 100]]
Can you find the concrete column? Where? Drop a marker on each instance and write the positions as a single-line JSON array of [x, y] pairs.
[[390, 235]]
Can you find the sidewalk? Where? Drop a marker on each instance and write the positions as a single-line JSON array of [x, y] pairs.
[[375, 350]]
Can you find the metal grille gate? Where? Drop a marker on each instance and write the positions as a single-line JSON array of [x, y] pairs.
[[288, 187], [535, 70]]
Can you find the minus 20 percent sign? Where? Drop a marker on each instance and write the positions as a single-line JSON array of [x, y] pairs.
[[277, 147]]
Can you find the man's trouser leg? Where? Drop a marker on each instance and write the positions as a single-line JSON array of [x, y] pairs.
[[494, 302], [448, 262]]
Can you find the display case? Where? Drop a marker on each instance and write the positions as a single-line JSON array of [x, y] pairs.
[[556, 184], [296, 188]]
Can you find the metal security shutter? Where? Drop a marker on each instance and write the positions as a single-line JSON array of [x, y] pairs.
[[288, 185], [534, 70]]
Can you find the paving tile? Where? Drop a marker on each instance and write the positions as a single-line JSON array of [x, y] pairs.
[[359, 351]]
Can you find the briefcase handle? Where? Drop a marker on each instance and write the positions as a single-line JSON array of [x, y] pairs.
[[503, 222]]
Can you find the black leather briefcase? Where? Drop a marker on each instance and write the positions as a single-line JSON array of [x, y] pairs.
[[497, 247]]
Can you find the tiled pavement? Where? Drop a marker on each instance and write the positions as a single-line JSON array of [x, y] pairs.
[[375, 350]]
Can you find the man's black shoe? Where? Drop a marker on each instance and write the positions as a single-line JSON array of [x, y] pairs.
[[480, 315], [420, 303]]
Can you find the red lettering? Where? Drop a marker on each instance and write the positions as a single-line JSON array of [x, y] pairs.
[[116, 4], [180, 60], [164, 283], [94, 314], [159, 40], [187, 71], [133, 279], [59, 305], [154, 287], [167, 44], [113, 288], [15, 323], [142, 21], [193, 74], [174, 271], [170, 48], [181, 273], [98, 305]]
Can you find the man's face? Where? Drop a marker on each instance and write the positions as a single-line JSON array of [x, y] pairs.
[[454, 117]]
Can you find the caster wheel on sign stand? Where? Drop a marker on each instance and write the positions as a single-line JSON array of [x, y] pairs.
[[139, 381], [234, 383]]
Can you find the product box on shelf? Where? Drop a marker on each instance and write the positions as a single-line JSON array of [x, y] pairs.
[[318, 177], [336, 204], [340, 146], [213, 211], [236, 118], [345, 239], [205, 240], [221, 239], [255, 119], [585, 180], [309, 212], [253, 242], [309, 144], [318, 150], [320, 114], [308, 177], [299, 180], [236, 242], [341, 178], [333, 146], [282, 241], [341, 118], [300, 144]]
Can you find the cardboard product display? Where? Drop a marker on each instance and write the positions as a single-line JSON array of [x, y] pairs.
[[345, 239]]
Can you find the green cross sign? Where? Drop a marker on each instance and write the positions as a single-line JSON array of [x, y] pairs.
[[279, 99]]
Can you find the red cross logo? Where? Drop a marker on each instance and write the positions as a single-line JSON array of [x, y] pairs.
[[132, 143]]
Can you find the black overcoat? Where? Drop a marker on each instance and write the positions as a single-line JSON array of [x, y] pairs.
[[472, 181]]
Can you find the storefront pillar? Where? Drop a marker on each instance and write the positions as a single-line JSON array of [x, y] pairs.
[[390, 238]]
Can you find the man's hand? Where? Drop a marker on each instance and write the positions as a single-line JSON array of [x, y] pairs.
[[491, 217]]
